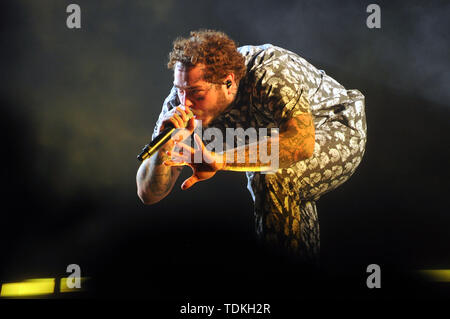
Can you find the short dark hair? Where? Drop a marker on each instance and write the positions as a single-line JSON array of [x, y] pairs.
[[214, 49]]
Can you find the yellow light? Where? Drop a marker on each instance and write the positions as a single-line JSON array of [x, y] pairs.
[[438, 275], [64, 288], [31, 287]]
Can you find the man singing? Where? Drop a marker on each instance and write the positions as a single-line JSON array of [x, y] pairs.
[[321, 140]]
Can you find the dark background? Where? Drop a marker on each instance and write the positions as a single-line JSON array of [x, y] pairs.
[[77, 105]]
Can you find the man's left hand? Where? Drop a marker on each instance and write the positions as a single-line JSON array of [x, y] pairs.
[[203, 162]]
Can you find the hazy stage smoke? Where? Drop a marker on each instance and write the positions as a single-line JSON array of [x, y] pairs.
[[409, 53]]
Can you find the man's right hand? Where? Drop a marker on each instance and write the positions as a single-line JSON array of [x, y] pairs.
[[179, 118], [155, 180]]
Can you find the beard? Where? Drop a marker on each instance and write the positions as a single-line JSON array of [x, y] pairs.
[[221, 105]]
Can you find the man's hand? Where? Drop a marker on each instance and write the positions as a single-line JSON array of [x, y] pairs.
[[154, 179], [179, 118], [209, 162]]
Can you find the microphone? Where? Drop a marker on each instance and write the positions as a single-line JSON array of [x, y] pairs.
[[159, 140]]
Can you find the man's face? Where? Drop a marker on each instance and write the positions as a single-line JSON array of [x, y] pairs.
[[206, 100]]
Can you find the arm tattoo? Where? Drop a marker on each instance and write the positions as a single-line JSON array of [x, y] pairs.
[[296, 142], [160, 182], [251, 160], [299, 140], [159, 178]]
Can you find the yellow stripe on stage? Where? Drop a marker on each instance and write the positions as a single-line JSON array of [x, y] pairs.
[[64, 288], [438, 275], [31, 287]]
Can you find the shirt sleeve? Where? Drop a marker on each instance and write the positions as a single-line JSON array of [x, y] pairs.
[[279, 90], [170, 102]]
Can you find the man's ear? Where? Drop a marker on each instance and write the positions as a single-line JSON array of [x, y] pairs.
[[230, 79]]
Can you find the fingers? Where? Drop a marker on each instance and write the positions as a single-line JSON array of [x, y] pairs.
[[188, 111], [199, 142], [177, 159], [179, 118], [174, 163], [180, 157], [189, 182], [191, 125], [174, 121], [188, 117], [183, 114], [181, 134], [177, 135], [185, 148]]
